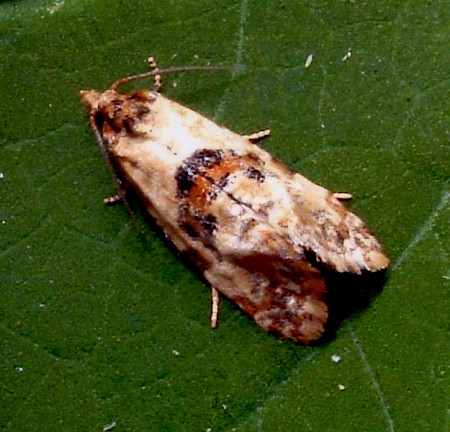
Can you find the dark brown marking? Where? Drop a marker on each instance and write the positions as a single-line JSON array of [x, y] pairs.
[[188, 173], [255, 174], [208, 222], [123, 112], [223, 180]]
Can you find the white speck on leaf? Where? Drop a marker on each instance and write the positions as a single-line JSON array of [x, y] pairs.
[[335, 358], [347, 55], [109, 426]]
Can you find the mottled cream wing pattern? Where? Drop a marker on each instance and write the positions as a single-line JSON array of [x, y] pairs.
[[260, 233]]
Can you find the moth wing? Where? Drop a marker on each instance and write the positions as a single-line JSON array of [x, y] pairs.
[[310, 216], [251, 263], [338, 237], [261, 272]]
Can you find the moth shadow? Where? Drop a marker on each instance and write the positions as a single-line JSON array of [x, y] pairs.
[[349, 294]]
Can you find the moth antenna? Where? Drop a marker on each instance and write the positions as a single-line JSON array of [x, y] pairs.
[[156, 73]]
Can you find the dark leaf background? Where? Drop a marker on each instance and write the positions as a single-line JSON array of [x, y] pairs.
[[102, 326]]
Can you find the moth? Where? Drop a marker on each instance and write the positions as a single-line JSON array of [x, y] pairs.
[[261, 234]]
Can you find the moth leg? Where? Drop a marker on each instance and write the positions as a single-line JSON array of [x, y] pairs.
[[156, 75], [214, 307], [117, 198], [258, 136], [121, 197], [343, 196]]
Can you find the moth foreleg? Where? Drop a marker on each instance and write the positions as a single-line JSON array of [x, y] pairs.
[[119, 197]]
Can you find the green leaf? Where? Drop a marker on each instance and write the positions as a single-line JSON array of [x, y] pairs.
[[103, 327]]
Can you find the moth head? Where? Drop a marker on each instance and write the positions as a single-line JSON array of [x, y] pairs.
[[90, 99], [113, 112]]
